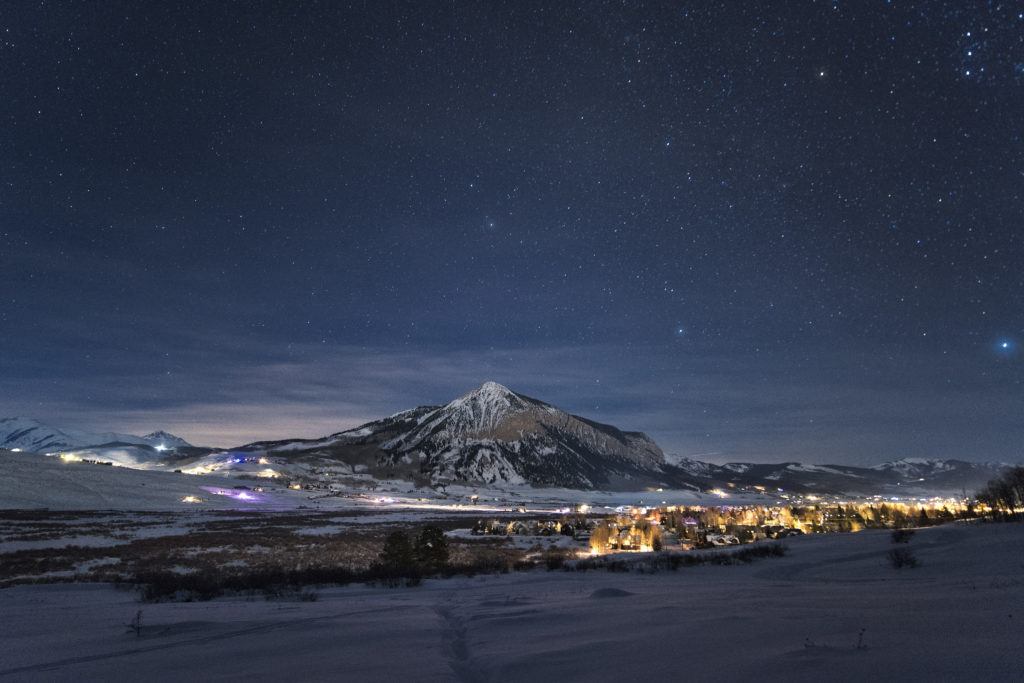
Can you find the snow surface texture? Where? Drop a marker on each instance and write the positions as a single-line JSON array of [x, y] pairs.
[[796, 618]]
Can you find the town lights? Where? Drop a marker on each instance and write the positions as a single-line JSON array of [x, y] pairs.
[[191, 499]]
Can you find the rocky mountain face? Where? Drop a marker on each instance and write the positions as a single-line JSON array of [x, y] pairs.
[[31, 435], [494, 435]]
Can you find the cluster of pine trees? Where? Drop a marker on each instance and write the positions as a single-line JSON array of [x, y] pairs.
[[404, 557]]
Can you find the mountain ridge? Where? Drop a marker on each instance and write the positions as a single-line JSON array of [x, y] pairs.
[[494, 436]]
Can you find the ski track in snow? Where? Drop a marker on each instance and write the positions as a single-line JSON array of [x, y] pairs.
[[456, 645]]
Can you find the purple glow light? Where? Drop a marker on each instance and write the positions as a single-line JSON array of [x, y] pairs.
[[241, 495]]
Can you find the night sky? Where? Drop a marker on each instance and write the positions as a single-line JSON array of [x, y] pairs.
[[756, 231]]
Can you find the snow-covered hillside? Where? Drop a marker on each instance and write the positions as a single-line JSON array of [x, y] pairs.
[[926, 467], [902, 477], [30, 481], [31, 435]]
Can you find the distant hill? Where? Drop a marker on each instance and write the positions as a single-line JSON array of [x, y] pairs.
[[31, 435]]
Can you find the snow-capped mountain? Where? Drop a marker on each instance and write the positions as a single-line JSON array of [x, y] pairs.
[[495, 435], [32, 435]]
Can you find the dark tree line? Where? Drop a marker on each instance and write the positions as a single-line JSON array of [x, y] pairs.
[[1005, 494]]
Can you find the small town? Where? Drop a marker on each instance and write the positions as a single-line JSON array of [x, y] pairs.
[[650, 529]]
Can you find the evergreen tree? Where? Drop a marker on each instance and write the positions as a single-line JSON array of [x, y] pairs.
[[397, 555], [432, 549]]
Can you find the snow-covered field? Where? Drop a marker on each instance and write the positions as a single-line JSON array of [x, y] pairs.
[[800, 617], [34, 481]]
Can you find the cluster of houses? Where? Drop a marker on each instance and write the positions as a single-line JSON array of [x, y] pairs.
[[575, 528], [684, 528], [754, 522]]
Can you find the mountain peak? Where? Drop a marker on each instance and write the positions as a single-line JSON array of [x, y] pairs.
[[162, 440], [484, 408], [491, 388]]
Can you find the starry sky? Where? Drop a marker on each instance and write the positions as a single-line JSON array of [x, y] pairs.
[[757, 231]]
